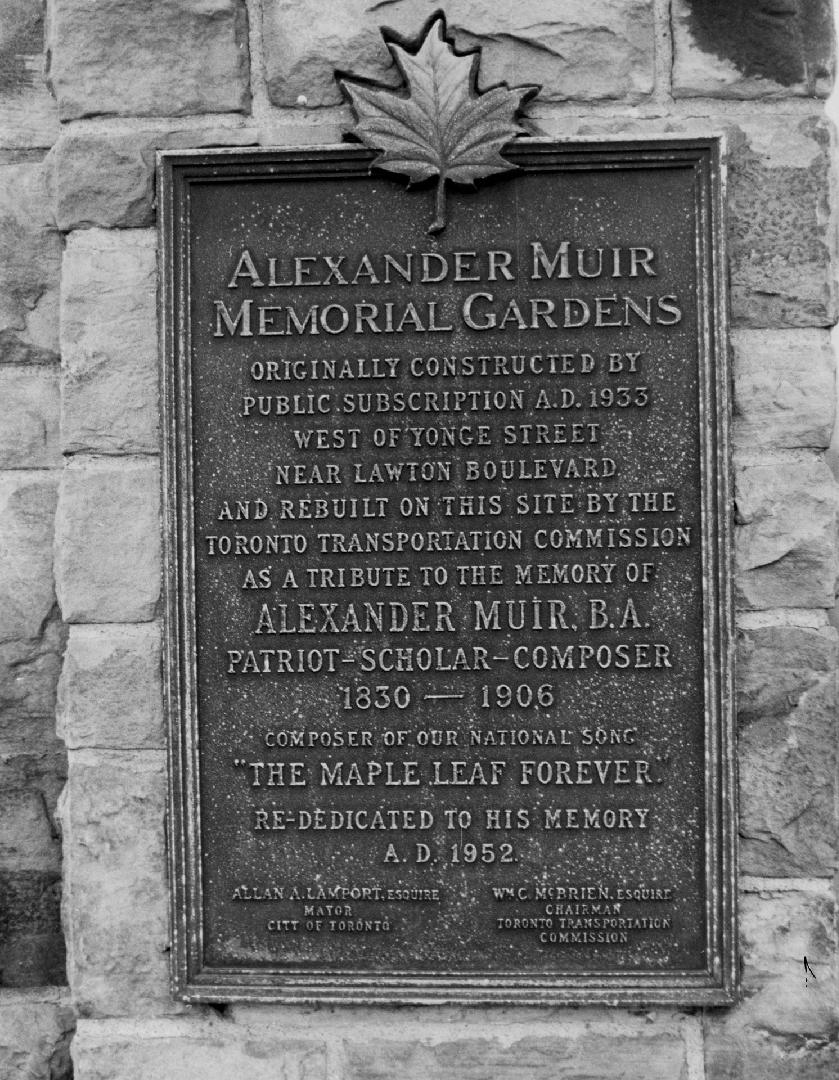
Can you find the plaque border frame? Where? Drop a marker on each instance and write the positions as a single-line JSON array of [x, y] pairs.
[[717, 985]]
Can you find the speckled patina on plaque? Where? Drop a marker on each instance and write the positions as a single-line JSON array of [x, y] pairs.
[[449, 627]]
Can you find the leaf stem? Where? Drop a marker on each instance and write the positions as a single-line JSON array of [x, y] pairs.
[[439, 222]]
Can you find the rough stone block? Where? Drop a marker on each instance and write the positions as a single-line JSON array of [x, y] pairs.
[[28, 116], [158, 58], [29, 671], [115, 890], [109, 342], [30, 748], [583, 52], [787, 750], [33, 766], [110, 693], [758, 1056], [784, 389], [27, 839], [594, 1055], [35, 1031], [27, 513], [755, 49], [777, 930], [29, 437], [34, 763], [30, 264], [107, 560], [785, 545], [31, 939], [107, 179], [205, 1049], [781, 243]]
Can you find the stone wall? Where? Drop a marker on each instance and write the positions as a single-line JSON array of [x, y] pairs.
[[79, 475], [35, 1017]]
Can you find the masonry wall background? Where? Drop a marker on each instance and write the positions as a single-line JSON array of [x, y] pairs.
[[89, 90]]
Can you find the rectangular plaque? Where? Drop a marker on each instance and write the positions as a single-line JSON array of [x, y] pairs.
[[448, 588]]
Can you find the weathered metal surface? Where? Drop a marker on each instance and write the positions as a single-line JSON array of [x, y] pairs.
[[448, 613]]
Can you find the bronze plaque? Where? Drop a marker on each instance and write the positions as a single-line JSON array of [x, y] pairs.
[[448, 600]]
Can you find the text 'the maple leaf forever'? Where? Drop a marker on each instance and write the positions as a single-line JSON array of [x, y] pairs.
[[439, 124]]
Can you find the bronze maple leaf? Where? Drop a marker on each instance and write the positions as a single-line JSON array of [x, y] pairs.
[[439, 124]]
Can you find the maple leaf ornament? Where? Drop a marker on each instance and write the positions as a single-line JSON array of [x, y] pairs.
[[443, 126]]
